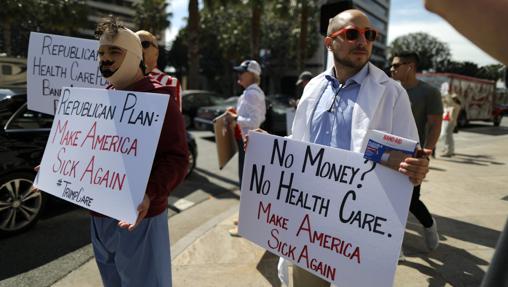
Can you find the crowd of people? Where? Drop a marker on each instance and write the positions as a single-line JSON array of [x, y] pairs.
[[139, 254]]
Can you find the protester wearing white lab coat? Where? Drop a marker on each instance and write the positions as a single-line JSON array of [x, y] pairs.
[[382, 104]]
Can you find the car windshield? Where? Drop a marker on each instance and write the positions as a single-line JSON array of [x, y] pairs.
[[230, 101], [9, 103]]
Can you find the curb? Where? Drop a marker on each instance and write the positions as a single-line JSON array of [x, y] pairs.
[[187, 240]]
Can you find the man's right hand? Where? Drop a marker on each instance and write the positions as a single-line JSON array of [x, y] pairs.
[[246, 140], [33, 188]]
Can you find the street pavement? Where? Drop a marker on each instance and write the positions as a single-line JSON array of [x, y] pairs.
[[466, 194]]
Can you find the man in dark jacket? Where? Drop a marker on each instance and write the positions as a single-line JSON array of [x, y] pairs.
[[138, 254]]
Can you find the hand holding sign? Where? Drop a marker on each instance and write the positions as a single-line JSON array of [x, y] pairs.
[[415, 168], [142, 211], [325, 209]]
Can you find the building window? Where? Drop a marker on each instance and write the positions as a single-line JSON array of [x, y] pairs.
[[380, 25], [6, 70], [373, 7]]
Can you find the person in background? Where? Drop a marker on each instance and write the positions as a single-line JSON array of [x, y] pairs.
[[427, 109], [452, 106], [302, 81], [300, 84], [249, 113], [150, 57], [483, 30]]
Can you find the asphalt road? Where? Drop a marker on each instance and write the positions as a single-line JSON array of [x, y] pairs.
[[60, 242]]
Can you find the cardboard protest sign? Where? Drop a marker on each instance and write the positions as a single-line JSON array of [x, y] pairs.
[[224, 140], [101, 147], [329, 211], [55, 62]]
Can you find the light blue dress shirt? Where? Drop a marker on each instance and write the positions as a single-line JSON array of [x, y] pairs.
[[332, 127]]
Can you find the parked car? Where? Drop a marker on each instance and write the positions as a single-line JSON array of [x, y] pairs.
[[23, 137], [192, 100], [275, 121], [205, 115]]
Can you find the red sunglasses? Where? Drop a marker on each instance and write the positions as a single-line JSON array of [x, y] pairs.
[[352, 34]]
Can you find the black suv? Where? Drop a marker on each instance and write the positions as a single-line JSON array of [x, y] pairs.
[[23, 137]]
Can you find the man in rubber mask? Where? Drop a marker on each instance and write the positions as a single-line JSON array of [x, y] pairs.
[[139, 254]]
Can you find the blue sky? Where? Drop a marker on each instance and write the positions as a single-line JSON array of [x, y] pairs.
[[406, 16]]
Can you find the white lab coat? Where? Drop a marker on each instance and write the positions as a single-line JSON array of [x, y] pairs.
[[382, 104]]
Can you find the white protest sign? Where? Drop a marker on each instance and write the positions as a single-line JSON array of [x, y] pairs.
[[101, 147], [328, 210], [55, 62]]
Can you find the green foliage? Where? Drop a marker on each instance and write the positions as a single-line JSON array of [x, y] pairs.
[[151, 15], [62, 16], [20, 17], [435, 55], [491, 72], [225, 37], [432, 52]]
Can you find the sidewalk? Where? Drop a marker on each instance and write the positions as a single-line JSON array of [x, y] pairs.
[[466, 194]]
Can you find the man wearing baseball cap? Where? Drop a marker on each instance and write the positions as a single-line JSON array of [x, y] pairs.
[[139, 254], [302, 81], [250, 109]]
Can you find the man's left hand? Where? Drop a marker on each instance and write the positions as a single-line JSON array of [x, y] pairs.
[[416, 168], [142, 211]]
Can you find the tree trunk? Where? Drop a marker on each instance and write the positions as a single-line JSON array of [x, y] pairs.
[[302, 47], [255, 29], [6, 27], [193, 52]]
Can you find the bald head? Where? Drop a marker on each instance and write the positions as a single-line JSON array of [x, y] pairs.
[[146, 36], [348, 17], [150, 49], [350, 39]]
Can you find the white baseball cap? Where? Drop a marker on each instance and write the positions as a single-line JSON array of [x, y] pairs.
[[249, 66]]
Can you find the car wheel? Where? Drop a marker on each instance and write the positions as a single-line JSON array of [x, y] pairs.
[[462, 120], [20, 208], [497, 120], [192, 163]]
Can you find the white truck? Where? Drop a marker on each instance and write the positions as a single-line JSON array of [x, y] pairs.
[[477, 96]]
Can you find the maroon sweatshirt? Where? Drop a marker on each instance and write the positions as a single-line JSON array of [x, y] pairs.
[[171, 157]]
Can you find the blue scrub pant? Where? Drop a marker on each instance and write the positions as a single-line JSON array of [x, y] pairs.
[[132, 258]]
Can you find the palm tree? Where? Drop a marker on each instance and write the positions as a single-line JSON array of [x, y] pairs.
[[257, 10], [62, 16], [151, 15], [12, 12], [302, 46], [193, 44]]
